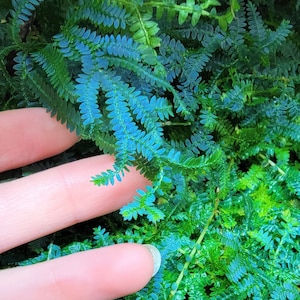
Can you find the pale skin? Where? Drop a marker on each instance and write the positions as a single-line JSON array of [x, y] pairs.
[[42, 203]]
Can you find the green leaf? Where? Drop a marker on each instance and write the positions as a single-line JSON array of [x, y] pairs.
[[183, 14]]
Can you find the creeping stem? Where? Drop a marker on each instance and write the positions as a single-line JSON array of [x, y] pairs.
[[193, 252]]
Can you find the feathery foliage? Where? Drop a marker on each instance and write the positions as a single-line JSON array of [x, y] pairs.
[[203, 98]]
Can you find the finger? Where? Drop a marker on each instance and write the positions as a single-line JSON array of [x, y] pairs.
[[30, 134], [48, 201], [106, 273]]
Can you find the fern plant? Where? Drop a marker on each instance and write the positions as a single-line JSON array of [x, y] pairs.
[[204, 99]]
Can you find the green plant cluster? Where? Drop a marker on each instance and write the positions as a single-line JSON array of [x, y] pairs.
[[203, 97]]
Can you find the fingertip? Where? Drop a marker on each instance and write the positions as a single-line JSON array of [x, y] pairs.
[[105, 273], [29, 135], [124, 269], [156, 258], [132, 267]]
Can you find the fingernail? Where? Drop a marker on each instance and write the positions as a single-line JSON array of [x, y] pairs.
[[156, 257]]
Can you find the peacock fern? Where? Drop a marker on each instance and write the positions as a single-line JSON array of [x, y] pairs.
[[204, 100]]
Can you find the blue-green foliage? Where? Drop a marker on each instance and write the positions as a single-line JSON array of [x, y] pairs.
[[209, 113], [106, 14], [23, 9]]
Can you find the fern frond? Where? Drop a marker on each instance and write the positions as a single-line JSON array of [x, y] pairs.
[[294, 181], [200, 142], [285, 64], [234, 99], [144, 29], [251, 286], [122, 124], [188, 10], [101, 237], [86, 42], [74, 48], [189, 163], [237, 29], [284, 291], [127, 133], [142, 108], [46, 95], [129, 138], [161, 108], [108, 177], [277, 37], [192, 68], [252, 178], [87, 91], [142, 205], [208, 119], [172, 55], [53, 63], [63, 111], [236, 269], [231, 240], [105, 14], [292, 131], [256, 24], [105, 141], [121, 46], [264, 238], [196, 33], [23, 10], [147, 74]]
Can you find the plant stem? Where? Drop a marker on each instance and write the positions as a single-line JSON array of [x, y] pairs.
[[193, 252], [271, 163]]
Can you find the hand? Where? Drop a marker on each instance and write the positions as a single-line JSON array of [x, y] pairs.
[[42, 203]]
